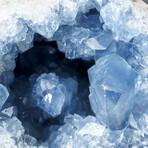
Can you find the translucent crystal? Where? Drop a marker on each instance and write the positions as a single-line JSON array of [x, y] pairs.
[[123, 19], [139, 118], [83, 39], [134, 53], [22, 16], [100, 41], [69, 11], [83, 132], [20, 23], [100, 3], [72, 42], [6, 78], [136, 134], [112, 90], [115, 34], [10, 111], [6, 140], [141, 93], [3, 95], [53, 93], [112, 47], [7, 64], [85, 5], [11, 132], [141, 42], [27, 43]]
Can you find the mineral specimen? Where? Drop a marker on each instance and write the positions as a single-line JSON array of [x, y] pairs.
[[83, 39], [12, 134], [53, 94], [124, 21], [112, 89], [87, 132], [46, 106]]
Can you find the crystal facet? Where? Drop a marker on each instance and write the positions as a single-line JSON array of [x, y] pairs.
[[53, 94], [41, 103], [111, 90], [3, 95]]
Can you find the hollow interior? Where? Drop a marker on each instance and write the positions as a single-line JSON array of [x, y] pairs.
[[45, 57]]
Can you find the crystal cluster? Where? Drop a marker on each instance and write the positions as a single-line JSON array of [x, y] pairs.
[[123, 29], [84, 132], [112, 90], [12, 134], [53, 94], [52, 106], [83, 39]]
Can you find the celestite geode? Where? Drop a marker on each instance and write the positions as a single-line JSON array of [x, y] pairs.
[[113, 34]]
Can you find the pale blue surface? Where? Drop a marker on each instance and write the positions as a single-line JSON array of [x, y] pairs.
[[115, 36], [121, 18], [84, 38], [83, 132], [53, 94], [12, 134], [3, 95], [112, 90]]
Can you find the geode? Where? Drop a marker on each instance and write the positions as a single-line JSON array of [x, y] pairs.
[[73, 73]]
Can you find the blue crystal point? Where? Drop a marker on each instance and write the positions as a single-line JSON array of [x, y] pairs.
[[52, 93], [111, 92]]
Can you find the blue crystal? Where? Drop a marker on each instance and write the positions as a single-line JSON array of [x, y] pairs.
[[110, 48], [113, 33], [141, 42], [72, 42], [3, 95], [10, 111], [121, 18], [100, 3], [11, 132], [82, 42], [100, 41], [82, 39], [83, 132], [112, 90], [52, 93]]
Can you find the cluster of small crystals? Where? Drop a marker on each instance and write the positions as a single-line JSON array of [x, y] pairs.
[[12, 133], [53, 94], [113, 33]]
